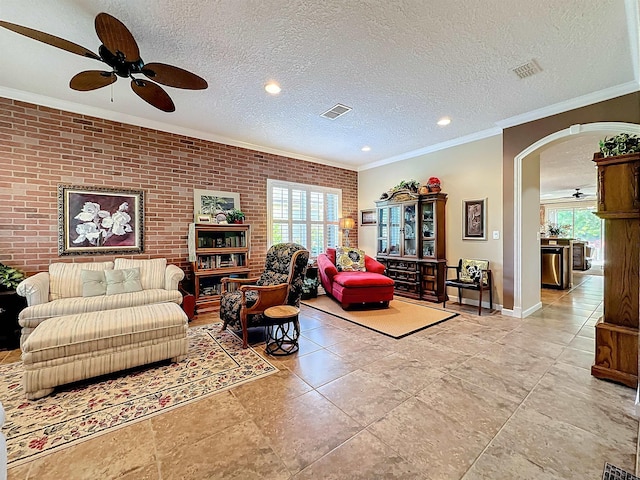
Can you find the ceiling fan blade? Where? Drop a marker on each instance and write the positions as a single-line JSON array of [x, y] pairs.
[[174, 76], [50, 40], [116, 37], [153, 94], [92, 80]]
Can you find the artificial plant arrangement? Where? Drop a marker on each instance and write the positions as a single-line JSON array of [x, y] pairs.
[[235, 216], [621, 144], [555, 230], [10, 277], [411, 185]]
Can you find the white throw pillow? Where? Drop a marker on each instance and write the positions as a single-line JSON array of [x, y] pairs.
[[123, 281]]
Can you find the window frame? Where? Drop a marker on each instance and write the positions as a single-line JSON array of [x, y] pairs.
[[308, 188]]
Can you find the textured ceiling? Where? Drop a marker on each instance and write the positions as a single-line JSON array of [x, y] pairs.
[[568, 165], [400, 65]]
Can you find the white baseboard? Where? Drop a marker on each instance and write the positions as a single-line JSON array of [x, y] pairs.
[[530, 310]]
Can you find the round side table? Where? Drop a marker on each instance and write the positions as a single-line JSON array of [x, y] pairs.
[[283, 333]]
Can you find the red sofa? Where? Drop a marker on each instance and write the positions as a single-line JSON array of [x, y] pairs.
[[355, 287]]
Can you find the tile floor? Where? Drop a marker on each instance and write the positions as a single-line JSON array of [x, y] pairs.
[[487, 397]]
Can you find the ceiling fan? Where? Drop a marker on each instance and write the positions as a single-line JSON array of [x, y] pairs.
[[578, 194], [119, 51]]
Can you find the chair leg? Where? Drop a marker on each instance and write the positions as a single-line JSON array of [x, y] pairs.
[[480, 301], [245, 330], [460, 296], [490, 297]]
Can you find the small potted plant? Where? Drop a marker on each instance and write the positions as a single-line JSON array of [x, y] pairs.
[[310, 288], [9, 277], [235, 216]]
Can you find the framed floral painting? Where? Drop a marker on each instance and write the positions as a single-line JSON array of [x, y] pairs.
[[97, 220]]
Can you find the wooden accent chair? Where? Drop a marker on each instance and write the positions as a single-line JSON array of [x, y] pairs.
[[279, 284], [472, 275]]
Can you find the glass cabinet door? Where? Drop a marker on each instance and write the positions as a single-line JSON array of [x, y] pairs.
[[409, 229], [395, 224], [383, 230], [428, 229]]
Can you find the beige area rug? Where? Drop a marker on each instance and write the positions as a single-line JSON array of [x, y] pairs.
[[81, 411], [397, 321]]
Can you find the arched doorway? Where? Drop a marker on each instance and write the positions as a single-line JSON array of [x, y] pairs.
[[526, 298]]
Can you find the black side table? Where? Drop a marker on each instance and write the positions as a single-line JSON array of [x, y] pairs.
[[11, 304], [284, 330]]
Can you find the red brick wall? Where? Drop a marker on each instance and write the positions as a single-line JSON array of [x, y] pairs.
[[42, 147]]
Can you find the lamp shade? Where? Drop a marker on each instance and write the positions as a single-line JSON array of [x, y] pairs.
[[347, 223]]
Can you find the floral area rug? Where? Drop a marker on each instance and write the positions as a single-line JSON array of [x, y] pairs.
[[86, 409]]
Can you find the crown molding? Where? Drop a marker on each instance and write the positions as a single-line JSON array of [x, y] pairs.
[[105, 114], [565, 106], [433, 148]]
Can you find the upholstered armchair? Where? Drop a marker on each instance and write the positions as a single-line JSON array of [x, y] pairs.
[[279, 284]]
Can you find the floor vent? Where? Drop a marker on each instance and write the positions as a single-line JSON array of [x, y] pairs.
[[337, 111], [528, 69], [611, 472]]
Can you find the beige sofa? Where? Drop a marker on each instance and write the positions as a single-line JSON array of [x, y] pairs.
[[59, 292], [88, 319]]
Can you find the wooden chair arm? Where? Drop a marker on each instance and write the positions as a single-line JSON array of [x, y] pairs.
[[236, 281], [268, 296], [456, 268]]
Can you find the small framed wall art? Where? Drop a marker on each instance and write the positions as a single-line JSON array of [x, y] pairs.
[[474, 219], [200, 218], [368, 217], [213, 202], [98, 220]]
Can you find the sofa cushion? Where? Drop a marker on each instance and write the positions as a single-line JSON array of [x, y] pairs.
[[94, 283], [65, 279], [126, 280], [362, 279], [32, 316], [350, 259], [151, 271]]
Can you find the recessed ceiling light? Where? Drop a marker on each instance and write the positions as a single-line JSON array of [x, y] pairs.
[[444, 121], [272, 88], [366, 148]]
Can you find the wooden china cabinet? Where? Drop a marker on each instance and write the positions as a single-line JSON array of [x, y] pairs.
[[411, 243], [617, 329]]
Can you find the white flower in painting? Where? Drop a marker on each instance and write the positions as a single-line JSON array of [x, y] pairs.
[[87, 231], [118, 223], [123, 207], [90, 211]]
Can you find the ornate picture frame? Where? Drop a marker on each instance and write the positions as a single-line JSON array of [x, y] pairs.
[[99, 220], [474, 219], [213, 202], [368, 217]]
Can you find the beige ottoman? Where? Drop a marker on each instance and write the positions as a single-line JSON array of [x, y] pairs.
[[75, 347]]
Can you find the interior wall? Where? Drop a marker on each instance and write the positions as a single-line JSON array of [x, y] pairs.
[[467, 172], [531, 233], [42, 147], [516, 139]]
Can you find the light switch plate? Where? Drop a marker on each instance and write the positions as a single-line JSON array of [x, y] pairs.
[[496, 234]]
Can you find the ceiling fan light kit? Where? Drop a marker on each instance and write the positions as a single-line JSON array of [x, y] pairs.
[[120, 51]]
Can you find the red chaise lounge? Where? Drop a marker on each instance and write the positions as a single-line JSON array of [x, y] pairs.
[[355, 287]]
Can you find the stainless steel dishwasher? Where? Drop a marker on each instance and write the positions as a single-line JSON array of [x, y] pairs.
[[555, 271]]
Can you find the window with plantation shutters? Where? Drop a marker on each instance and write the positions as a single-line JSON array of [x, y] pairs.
[[304, 214]]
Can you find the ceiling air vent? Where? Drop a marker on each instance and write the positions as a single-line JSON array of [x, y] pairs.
[[528, 69], [337, 111]]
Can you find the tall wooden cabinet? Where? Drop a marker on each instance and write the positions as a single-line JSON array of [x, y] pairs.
[[411, 243], [617, 329], [215, 252]]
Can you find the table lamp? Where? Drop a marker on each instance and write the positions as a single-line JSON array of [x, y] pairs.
[[346, 224]]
